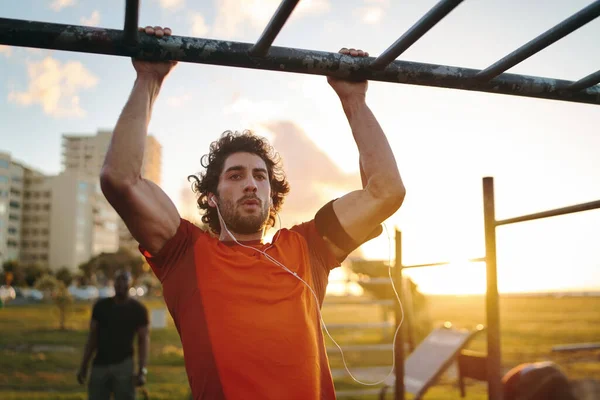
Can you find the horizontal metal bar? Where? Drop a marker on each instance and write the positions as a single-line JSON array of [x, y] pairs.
[[480, 259], [586, 82], [235, 54], [363, 325], [544, 40], [551, 213], [361, 348], [132, 12], [358, 302], [283, 12], [420, 28], [577, 347]]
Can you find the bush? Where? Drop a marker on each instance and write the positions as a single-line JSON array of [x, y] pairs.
[[59, 294]]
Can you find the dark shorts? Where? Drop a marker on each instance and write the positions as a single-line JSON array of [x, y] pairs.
[[110, 379]]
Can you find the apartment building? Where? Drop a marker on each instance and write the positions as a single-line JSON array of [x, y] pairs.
[[53, 221], [85, 154], [11, 192]]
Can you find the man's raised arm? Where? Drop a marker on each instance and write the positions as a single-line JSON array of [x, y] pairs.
[[362, 211], [150, 215]]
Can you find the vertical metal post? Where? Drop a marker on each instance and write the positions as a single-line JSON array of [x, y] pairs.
[[399, 355], [132, 12], [494, 359]]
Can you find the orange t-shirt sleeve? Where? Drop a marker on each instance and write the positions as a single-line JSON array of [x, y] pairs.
[[320, 252], [172, 252]]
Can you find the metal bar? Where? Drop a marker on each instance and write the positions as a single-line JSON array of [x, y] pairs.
[[420, 28], [544, 40], [577, 347], [261, 48], [361, 348], [480, 259], [132, 12], [359, 303], [399, 392], [361, 325], [590, 80], [494, 361], [235, 54], [592, 205]]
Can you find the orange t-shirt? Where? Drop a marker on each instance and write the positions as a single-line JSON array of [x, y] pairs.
[[249, 329]]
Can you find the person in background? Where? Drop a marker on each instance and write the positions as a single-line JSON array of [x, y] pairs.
[[115, 322]]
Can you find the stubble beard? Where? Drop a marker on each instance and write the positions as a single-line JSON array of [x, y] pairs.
[[243, 225]]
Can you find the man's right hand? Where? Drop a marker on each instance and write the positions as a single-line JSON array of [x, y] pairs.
[[81, 375], [154, 69]]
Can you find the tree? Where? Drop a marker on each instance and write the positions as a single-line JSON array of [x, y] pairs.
[[13, 274], [58, 292], [33, 272], [107, 264], [65, 276]]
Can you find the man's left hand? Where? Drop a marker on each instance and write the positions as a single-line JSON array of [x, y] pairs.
[[140, 379], [347, 89]]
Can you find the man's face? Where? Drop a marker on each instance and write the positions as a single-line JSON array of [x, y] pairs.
[[122, 284], [244, 193]]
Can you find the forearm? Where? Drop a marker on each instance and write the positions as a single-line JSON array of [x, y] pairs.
[[90, 348], [143, 345], [377, 162], [125, 156]]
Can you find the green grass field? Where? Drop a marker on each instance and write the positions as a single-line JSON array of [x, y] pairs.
[[37, 361]]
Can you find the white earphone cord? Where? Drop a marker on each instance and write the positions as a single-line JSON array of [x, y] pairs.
[[317, 300]]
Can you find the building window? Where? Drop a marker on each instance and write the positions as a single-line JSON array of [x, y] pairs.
[[17, 179], [13, 217], [14, 204], [3, 179], [4, 164], [12, 231]]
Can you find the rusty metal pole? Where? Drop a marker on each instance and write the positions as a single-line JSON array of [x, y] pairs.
[[399, 392], [494, 357]]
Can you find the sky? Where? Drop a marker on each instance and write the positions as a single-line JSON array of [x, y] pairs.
[[541, 153]]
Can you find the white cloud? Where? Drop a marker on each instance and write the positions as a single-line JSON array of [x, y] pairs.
[[370, 15], [6, 50], [171, 4], [55, 87], [234, 14], [254, 110], [199, 27], [373, 11], [178, 101], [58, 5], [93, 20]]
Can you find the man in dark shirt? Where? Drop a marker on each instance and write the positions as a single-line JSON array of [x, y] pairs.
[[115, 321]]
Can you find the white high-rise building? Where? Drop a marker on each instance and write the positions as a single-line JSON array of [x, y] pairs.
[[85, 154], [53, 221]]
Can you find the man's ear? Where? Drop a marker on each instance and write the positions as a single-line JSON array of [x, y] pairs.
[[212, 200]]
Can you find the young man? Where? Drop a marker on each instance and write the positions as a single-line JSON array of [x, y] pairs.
[[247, 311], [115, 322]]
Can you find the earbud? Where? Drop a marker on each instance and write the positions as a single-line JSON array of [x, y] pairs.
[[212, 201]]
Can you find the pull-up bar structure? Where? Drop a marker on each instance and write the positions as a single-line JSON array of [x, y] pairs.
[[493, 357], [262, 55]]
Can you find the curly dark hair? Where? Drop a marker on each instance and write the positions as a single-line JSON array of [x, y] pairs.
[[208, 181]]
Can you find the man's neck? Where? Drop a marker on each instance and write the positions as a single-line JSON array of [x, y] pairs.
[[252, 237], [121, 299]]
